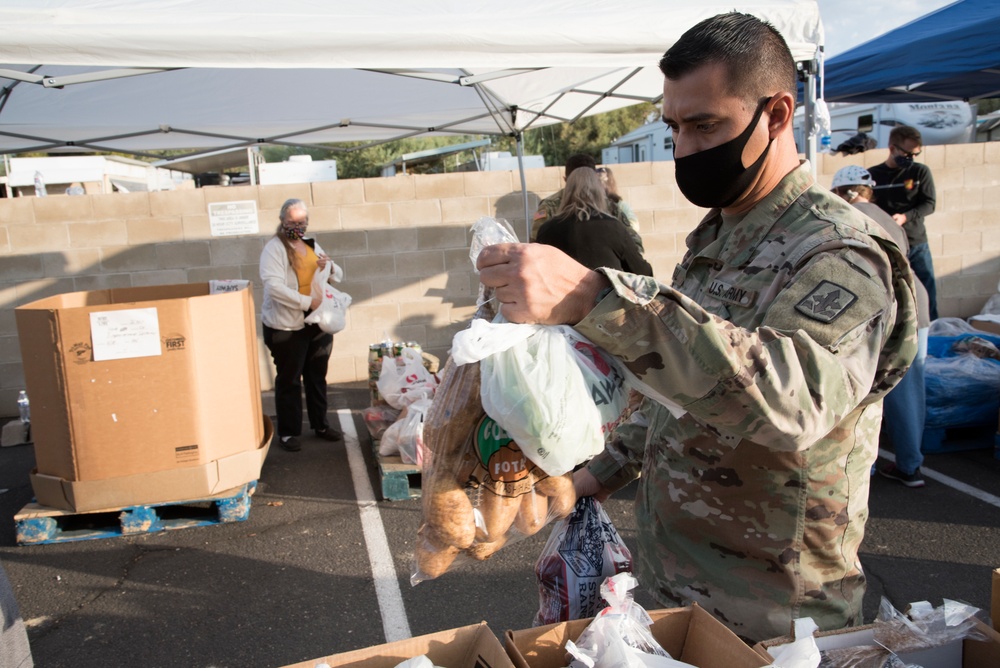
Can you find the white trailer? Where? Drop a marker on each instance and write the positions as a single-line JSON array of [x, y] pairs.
[[944, 122], [652, 141]]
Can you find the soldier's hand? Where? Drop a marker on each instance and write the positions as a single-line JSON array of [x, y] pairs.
[[537, 283], [586, 484]]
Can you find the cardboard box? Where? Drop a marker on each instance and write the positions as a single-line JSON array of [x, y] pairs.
[[472, 646], [193, 482], [688, 634], [958, 654], [130, 381], [995, 614], [988, 324]]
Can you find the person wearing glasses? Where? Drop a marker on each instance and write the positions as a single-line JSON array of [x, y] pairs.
[[789, 318], [905, 190], [904, 408]]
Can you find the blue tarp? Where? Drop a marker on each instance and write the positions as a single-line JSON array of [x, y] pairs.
[[962, 390], [952, 53]]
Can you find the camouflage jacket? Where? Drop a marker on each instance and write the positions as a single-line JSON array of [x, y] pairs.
[[778, 337], [548, 207]]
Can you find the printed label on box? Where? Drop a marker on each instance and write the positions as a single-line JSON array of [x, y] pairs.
[[125, 334]]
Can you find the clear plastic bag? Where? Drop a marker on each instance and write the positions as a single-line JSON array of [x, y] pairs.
[[404, 379], [896, 634], [479, 490], [379, 418], [582, 551], [619, 636], [331, 314]]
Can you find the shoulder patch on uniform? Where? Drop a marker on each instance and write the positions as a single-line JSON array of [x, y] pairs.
[[828, 299], [826, 302]]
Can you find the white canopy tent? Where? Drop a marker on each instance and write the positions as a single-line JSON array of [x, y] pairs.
[[143, 75]]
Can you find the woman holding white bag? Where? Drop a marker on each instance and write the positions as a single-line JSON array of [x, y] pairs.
[[301, 351]]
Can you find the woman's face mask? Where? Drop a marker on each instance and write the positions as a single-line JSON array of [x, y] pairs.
[[295, 227], [716, 177]]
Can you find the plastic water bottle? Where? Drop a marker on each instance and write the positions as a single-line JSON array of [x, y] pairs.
[[40, 185], [23, 407], [825, 143]]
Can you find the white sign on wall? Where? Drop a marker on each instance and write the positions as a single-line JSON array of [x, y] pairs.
[[230, 219]]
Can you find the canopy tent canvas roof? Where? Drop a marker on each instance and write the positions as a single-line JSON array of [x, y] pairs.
[[302, 72], [950, 54]]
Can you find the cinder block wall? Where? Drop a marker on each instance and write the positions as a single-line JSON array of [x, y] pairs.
[[403, 243]]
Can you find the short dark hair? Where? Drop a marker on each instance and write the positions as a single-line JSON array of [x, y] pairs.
[[580, 160], [756, 57], [901, 133]]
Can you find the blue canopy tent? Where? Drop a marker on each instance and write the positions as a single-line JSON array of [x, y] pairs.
[[950, 54]]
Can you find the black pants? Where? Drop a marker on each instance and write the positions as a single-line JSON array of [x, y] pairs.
[[300, 357]]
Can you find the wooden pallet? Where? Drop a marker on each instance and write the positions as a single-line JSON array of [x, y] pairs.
[[399, 480], [37, 524]]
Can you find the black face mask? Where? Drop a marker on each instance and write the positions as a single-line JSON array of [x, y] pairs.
[[716, 177], [903, 161]]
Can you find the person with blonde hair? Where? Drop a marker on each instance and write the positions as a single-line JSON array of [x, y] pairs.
[[584, 229], [625, 212]]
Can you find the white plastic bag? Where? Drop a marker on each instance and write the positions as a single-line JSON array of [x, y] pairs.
[[405, 436], [553, 391], [331, 314], [407, 380]]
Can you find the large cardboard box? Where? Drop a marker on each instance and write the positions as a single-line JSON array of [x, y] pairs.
[[472, 646], [688, 634], [130, 381], [959, 654], [192, 482]]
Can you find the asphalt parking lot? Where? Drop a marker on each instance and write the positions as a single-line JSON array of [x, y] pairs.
[[323, 566]]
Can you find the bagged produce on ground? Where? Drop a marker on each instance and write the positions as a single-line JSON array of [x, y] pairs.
[[405, 436], [405, 379]]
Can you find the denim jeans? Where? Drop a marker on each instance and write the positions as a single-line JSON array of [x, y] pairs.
[[923, 268], [904, 410]]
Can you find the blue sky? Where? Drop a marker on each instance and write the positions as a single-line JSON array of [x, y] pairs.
[[848, 23]]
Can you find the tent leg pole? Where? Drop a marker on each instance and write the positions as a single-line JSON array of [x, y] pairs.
[[809, 116], [519, 143]]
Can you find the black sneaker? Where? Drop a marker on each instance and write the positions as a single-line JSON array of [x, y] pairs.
[[328, 434], [290, 443], [909, 479]]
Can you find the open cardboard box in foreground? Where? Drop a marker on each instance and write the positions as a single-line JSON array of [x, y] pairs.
[[688, 634], [473, 646]]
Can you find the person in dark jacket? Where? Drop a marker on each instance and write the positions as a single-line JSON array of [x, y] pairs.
[[905, 190], [584, 229]]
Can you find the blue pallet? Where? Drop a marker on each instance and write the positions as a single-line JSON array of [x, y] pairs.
[[38, 525], [958, 439]]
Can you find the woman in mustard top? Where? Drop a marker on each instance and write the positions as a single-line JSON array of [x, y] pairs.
[[301, 352]]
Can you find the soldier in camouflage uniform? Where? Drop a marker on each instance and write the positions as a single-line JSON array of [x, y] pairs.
[[788, 319], [549, 206]]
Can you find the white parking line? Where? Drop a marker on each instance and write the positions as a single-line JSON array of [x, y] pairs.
[[985, 497], [390, 598]]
